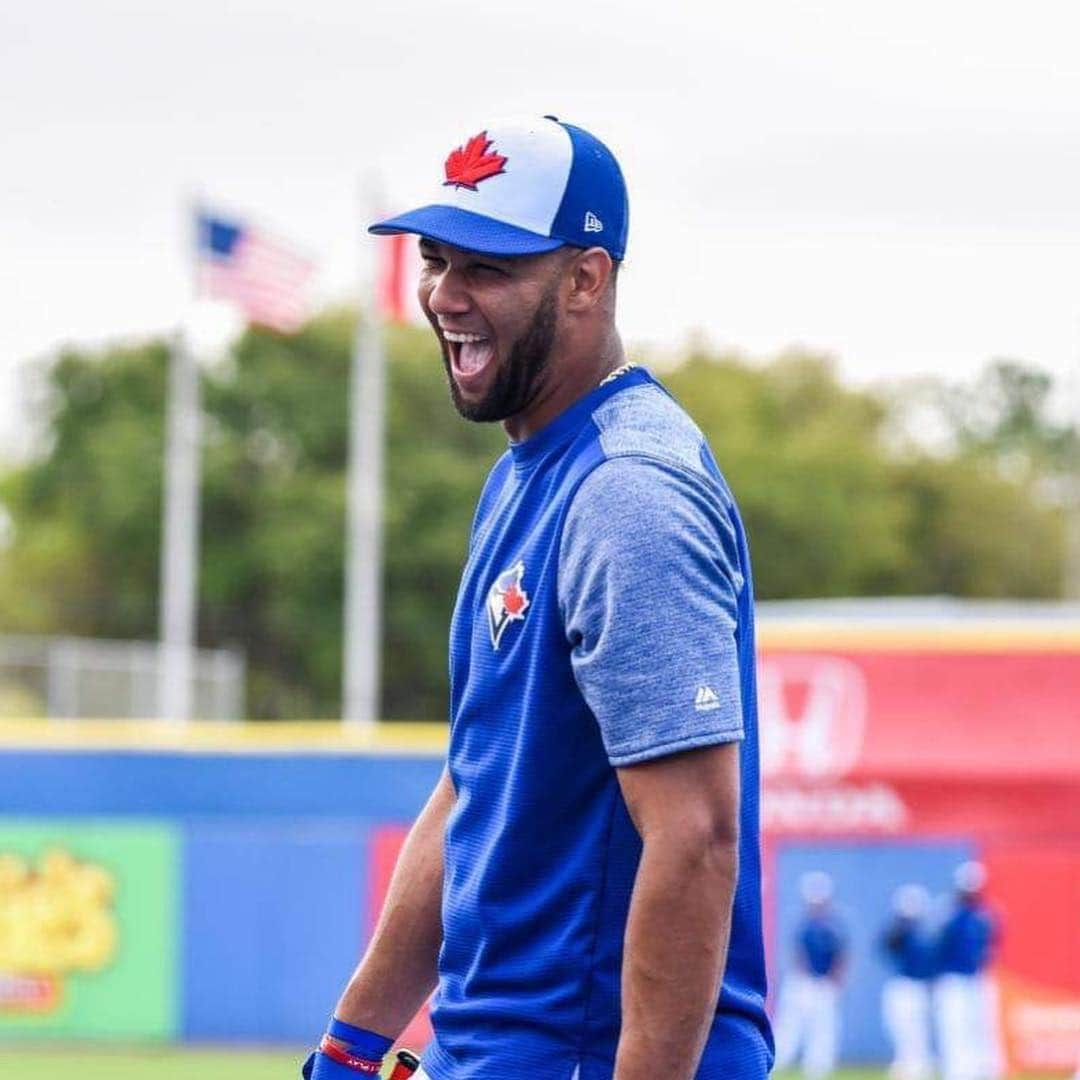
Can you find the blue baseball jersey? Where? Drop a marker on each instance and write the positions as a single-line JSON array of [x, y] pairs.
[[911, 948], [966, 941], [821, 944], [604, 618]]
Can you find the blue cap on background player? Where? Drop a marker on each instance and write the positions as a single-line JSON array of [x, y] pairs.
[[523, 187]]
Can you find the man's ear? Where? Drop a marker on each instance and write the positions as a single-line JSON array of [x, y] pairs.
[[590, 274]]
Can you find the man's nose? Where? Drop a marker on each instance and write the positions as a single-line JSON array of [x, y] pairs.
[[448, 296]]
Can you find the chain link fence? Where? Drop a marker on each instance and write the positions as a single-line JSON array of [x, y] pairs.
[[82, 678]]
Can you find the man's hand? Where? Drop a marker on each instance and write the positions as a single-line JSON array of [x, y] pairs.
[[686, 809]]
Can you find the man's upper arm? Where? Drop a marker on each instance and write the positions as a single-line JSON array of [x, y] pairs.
[[649, 586], [694, 794]]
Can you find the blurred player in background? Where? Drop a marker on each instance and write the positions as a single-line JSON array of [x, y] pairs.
[[808, 1013], [909, 944], [584, 883], [965, 998]]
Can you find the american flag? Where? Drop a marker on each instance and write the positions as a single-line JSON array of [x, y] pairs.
[[261, 274]]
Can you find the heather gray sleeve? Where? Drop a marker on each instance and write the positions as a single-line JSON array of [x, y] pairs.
[[648, 587]]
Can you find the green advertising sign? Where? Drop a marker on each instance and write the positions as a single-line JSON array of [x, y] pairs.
[[88, 928]]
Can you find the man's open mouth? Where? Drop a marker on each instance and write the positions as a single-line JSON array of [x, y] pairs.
[[469, 353]]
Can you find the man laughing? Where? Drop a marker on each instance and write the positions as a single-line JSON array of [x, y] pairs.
[[583, 889]]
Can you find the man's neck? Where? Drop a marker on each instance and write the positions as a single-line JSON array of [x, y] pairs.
[[571, 380]]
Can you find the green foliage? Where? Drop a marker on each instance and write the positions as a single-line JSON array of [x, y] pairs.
[[1005, 416], [832, 507], [274, 526], [974, 533], [803, 456], [87, 514]]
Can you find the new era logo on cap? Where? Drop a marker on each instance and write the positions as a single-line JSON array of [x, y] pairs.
[[524, 187]]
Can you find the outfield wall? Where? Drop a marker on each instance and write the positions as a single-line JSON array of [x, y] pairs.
[[241, 886], [219, 881], [220, 896]]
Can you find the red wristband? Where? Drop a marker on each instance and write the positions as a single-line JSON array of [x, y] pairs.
[[350, 1061]]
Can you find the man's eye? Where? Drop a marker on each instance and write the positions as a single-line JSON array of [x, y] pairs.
[[432, 262], [487, 268]]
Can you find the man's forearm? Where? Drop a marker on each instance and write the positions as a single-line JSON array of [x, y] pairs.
[[398, 971], [674, 954]]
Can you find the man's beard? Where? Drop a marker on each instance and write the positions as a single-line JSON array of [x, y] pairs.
[[520, 376]]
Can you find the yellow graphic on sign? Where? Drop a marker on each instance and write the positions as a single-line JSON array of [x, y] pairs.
[[55, 918]]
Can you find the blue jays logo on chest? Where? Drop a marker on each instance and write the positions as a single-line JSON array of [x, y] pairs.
[[507, 601]]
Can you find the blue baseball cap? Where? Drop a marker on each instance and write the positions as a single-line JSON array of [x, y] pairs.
[[523, 187]]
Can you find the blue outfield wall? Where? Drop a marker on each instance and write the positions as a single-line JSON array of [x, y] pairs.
[[274, 919], [377, 786], [274, 863], [865, 875], [274, 866]]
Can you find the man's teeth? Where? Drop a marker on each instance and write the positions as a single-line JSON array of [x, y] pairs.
[[462, 339]]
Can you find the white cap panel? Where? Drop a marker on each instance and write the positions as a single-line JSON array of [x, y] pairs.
[[529, 190]]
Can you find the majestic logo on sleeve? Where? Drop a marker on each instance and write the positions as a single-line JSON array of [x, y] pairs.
[[469, 164], [507, 601]]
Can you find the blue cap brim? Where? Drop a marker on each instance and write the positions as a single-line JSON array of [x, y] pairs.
[[466, 230]]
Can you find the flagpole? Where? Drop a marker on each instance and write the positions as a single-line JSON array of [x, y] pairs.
[[180, 527], [361, 697], [1071, 583]]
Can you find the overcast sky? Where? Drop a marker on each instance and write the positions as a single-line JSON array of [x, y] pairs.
[[898, 185]]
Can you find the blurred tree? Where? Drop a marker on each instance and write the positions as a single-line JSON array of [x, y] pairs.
[[831, 508], [972, 532], [803, 455], [274, 529], [85, 516], [1006, 414]]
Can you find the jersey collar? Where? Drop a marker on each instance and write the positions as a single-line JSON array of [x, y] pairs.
[[570, 421]]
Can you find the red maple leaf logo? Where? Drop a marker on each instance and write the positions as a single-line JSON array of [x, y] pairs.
[[469, 164], [514, 600]]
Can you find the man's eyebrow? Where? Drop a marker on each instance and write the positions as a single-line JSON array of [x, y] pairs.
[[431, 247]]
